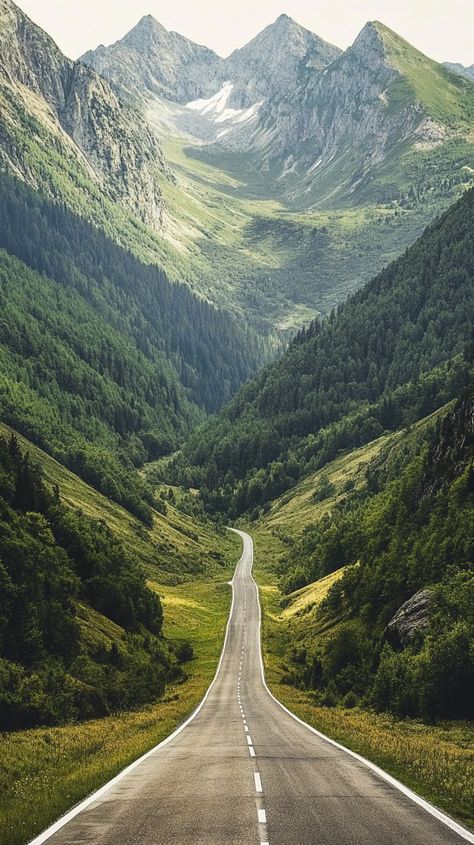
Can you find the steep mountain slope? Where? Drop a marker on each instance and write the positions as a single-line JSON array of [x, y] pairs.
[[217, 93], [103, 361], [395, 626], [151, 60], [392, 353], [60, 111]]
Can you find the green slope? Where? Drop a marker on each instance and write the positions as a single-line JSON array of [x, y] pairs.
[[385, 520], [104, 361], [445, 96], [78, 621], [395, 351]]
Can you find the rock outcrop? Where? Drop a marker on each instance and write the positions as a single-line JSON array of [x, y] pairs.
[[412, 616]]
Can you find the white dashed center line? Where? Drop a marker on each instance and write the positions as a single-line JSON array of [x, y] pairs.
[[258, 782], [251, 751], [262, 817], [249, 740]]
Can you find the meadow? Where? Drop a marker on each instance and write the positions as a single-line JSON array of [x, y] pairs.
[[44, 772]]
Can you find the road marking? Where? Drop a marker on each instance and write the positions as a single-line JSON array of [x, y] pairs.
[[249, 739], [246, 728], [79, 808], [252, 751], [262, 817], [258, 782], [433, 811]]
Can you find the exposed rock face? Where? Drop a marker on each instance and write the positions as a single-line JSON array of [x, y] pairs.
[[456, 442], [273, 62], [80, 111], [151, 60], [342, 117], [412, 617]]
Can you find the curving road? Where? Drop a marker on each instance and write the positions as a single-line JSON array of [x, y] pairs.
[[244, 770]]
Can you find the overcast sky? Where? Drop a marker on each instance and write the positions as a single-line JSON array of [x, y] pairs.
[[441, 28]]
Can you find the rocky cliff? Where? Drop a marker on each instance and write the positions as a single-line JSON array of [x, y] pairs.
[[74, 116]]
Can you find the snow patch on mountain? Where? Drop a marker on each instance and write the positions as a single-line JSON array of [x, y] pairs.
[[217, 111]]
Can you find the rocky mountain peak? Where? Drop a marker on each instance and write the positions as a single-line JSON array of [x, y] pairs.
[[369, 43], [80, 115], [149, 33], [270, 64]]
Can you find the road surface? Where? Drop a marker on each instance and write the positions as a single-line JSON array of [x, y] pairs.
[[243, 770]]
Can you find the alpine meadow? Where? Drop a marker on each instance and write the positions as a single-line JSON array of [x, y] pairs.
[[236, 429]]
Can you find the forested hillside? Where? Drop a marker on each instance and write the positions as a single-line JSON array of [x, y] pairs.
[[52, 560], [408, 529], [395, 351], [103, 361]]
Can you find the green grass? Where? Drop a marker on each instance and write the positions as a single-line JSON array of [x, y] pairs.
[[172, 550], [283, 260], [434, 760], [43, 772], [447, 97]]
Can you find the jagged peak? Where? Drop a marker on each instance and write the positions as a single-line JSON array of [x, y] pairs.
[[288, 31], [148, 26]]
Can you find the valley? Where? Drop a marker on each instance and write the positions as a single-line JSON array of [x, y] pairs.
[[235, 293]]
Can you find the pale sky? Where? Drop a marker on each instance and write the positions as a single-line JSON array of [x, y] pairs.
[[443, 29]]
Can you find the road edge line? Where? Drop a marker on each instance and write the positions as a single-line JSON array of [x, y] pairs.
[[463, 832], [94, 796]]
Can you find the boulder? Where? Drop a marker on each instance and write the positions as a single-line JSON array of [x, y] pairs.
[[411, 617]]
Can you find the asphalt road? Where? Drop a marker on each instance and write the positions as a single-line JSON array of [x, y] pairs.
[[243, 770]]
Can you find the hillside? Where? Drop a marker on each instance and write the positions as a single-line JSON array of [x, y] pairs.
[[389, 622], [391, 354], [104, 362], [81, 631]]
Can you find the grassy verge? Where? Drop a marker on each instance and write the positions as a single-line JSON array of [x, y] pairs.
[[434, 760], [43, 772]]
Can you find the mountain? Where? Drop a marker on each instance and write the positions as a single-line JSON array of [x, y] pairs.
[[462, 70], [63, 129], [104, 362], [395, 351], [151, 60], [300, 170], [358, 122]]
